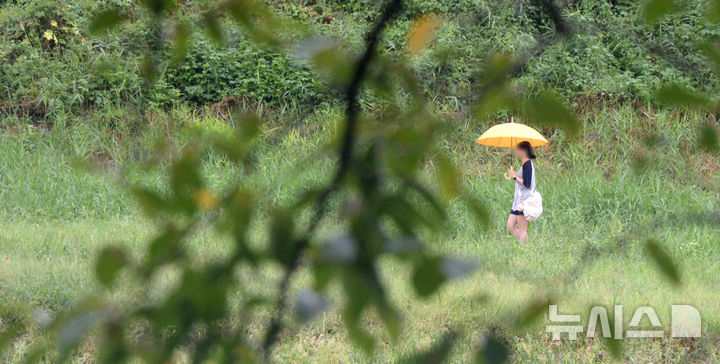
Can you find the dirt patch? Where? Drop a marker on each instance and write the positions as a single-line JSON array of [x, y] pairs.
[[32, 108], [237, 103]]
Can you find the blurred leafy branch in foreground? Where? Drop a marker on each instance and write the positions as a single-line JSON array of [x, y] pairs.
[[375, 192]]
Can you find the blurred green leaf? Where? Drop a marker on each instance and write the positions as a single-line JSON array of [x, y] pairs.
[[427, 276], [496, 70], [359, 337], [306, 198], [42, 317], [114, 348], [436, 211], [282, 237], [328, 59], [105, 20], [309, 304], [639, 162], [547, 109], [151, 203], [233, 148], [708, 138], [164, 248], [614, 345], [532, 312], [495, 93], [407, 215], [437, 353], [238, 215], [404, 151], [339, 250], [185, 181], [249, 125], [390, 317], [495, 99], [184, 173], [655, 140], [493, 350], [713, 11], [677, 95], [149, 69], [478, 209], [356, 290], [447, 176], [323, 274], [7, 336], [74, 329], [181, 41], [711, 50], [35, 353], [421, 32], [454, 267], [205, 199], [363, 287], [109, 262], [213, 28], [240, 10], [158, 6], [663, 260], [260, 23], [654, 10], [403, 245]]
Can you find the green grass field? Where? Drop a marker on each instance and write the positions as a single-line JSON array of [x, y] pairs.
[[605, 194]]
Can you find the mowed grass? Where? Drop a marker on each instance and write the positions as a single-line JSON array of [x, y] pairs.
[[605, 194]]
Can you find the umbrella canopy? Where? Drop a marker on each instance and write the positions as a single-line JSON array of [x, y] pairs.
[[508, 135]]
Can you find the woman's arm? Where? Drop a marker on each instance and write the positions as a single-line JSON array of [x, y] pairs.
[[527, 172], [527, 175]]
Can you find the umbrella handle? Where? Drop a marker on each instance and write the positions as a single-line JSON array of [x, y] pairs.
[[506, 176]]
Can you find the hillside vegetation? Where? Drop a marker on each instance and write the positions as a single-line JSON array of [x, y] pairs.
[[52, 68]]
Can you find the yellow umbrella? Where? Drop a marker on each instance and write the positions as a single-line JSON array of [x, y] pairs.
[[508, 135]]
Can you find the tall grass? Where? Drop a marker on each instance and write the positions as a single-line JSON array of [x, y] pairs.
[[634, 173]]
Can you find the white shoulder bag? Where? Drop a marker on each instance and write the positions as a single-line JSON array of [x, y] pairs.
[[532, 207]]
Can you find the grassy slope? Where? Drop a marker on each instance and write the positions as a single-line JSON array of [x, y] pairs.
[[53, 218]]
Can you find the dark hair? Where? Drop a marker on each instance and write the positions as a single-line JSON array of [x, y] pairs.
[[525, 145]]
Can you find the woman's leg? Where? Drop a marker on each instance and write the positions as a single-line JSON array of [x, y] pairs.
[[522, 224], [511, 225]]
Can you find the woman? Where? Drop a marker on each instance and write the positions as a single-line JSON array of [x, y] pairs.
[[524, 181]]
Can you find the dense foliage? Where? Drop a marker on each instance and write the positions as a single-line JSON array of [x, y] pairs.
[[49, 64]]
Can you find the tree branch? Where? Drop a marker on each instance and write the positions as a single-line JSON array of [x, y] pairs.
[[344, 163]]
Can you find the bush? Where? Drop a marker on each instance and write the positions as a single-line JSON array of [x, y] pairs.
[[48, 65], [49, 25], [208, 74]]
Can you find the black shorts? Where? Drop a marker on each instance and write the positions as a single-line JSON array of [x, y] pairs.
[[516, 212]]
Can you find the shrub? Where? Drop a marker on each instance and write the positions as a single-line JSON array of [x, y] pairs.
[[208, 74], [49, 25]]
